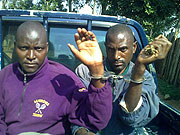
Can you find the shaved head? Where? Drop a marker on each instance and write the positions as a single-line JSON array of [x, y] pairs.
[[31, 29], [119, 31]]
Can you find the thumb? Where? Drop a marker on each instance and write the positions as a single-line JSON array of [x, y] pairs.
[[74, 50]]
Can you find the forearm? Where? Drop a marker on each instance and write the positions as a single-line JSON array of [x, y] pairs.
[[133, 93], [90, 113]]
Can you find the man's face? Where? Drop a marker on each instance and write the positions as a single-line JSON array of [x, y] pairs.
[[119, 49], [31, 50]]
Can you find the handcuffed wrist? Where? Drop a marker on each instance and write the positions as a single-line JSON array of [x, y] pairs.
[[129, 79], [98, 77], [137, 81], [82, 131]]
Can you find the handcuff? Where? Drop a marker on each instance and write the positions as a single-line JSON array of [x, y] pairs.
[[127, 78]]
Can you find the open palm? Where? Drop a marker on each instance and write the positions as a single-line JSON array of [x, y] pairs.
[[88, 51]]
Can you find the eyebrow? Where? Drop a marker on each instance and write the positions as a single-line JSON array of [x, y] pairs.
[[117, 47]]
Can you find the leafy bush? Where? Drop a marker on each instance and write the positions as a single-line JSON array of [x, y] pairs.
[[166, 88]]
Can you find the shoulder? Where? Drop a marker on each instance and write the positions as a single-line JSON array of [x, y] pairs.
[[56, 69], [64, 78], [82, 68], [82, 71], [8, 69], [8, 72]]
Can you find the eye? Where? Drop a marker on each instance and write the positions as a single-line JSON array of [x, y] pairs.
[[23, 48], [110, 49], [123, 49], [38, 48]]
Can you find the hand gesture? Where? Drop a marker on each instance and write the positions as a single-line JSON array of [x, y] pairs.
[[155, 50], [88, 51]]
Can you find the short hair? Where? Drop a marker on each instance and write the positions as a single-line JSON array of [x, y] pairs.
[[119, 28], [31, 25]]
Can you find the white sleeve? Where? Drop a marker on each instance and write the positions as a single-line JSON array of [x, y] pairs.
[[123, 104]]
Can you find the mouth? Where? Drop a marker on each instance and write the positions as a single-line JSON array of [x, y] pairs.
[[30, 64], [118, 63]]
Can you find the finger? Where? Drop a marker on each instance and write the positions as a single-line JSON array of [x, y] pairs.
[[85, 34], [150, 50], [147, 58], [79, 30], [83, 39], [92, 35], [158, 37], [161, 50], [164, 44], [162, 37], [73, 50], [158, 48], [77, 38], [163, 41]]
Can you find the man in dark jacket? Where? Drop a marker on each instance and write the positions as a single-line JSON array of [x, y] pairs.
[[39, 95], [135, 102]]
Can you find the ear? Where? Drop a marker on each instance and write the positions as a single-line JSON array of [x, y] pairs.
[[135, 44], [47, 46], [105, 43], [14, 44]]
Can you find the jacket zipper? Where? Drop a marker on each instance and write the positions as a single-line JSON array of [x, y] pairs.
[[22, 97]]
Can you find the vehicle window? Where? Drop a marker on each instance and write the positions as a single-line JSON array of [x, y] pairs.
[[59, 37], [100, 35], [9, 31]]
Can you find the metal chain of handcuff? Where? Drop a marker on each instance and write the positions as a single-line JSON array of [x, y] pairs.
[[126, 78]]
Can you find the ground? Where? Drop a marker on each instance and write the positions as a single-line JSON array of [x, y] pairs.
[[174, 103]]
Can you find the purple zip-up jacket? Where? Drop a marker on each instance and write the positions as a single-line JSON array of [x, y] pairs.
[[49, 100]]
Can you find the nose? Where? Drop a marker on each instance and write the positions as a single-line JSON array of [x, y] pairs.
[[117, 55], [31, 55]]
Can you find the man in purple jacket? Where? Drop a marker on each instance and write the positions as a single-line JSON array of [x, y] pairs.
[[39, 95]]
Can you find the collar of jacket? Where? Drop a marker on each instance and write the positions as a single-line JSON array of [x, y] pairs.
[[39, 73]]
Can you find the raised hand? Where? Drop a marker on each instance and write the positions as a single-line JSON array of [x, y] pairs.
[[157, 49], [88, 51]]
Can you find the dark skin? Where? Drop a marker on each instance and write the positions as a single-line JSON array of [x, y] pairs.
[[120, 45], [32, 47], [119, 51], [89, 53]]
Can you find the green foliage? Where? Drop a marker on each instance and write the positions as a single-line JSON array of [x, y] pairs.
[[166, 88], [50, 5], [46, 5], [20, 4], [156, 16]]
